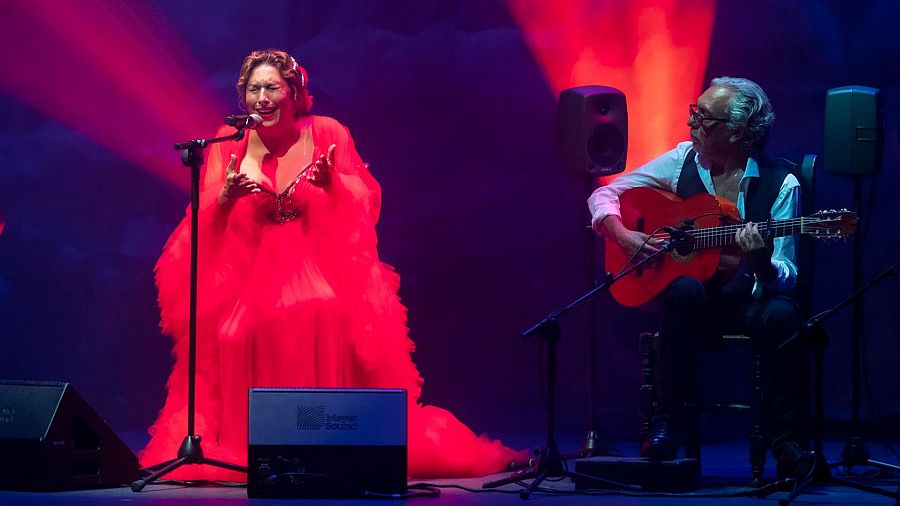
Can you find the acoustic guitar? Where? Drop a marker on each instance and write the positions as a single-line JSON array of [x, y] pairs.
[[702, 230]]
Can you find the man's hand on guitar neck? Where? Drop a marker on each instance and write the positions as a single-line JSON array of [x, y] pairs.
[[630, 241], [758, 250]]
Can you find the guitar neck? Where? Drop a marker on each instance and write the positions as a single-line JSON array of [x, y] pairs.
[[716, 237]]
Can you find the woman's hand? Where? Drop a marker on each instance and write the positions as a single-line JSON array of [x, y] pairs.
[[237, 184], [322, 171]]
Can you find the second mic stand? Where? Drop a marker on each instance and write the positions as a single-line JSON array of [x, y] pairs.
[[190, 451], [550, 462], [813, 331]]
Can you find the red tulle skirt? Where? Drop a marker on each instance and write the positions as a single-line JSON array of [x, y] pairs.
[[274, 312]]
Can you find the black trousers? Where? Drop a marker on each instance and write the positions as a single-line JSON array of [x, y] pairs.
[[691, 314]]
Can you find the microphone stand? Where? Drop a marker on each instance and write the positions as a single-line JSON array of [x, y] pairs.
[[190, 451], [813, 331], [550, 462]]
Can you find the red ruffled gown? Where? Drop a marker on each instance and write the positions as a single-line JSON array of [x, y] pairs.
[[302, 302]]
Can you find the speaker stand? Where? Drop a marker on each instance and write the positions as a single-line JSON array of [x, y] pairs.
[[856, 454]]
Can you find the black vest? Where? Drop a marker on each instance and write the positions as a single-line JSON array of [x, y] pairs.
[[761, 193]]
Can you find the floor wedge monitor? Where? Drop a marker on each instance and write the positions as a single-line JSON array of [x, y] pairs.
[[51, 439]]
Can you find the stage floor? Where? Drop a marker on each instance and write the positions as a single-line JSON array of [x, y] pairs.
[[725, 473]]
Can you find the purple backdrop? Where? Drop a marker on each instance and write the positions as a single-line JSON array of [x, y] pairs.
[[454, 115]]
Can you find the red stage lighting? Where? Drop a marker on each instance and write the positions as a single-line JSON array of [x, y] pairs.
[[653, 50], [114, 71]]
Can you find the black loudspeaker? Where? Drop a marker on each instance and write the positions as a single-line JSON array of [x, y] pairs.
[[326, 442], [853, 130], [51, 439], [593, 130]]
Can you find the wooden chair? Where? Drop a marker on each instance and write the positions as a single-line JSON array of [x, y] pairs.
[[754, 406]]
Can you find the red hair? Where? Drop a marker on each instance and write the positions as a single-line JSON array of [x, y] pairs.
[[290, 71]]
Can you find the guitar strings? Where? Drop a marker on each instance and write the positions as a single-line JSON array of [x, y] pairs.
[[731, 230], [721, 232]]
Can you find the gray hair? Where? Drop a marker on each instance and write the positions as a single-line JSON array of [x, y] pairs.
[[749, 108]]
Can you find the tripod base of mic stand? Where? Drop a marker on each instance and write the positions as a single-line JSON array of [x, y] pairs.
[[821, 475], [547, 464], [590, 447], [190, 452], [856, 454]]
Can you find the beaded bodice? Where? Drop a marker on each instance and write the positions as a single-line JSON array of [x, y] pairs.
[[283, 207]]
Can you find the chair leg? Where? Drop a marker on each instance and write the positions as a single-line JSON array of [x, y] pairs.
[[757, 441], [649, 344]]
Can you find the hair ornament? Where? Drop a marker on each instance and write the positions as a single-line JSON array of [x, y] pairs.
[[299, 70]]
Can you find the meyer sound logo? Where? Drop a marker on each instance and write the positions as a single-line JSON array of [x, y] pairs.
[[310, 417], [315, 418]]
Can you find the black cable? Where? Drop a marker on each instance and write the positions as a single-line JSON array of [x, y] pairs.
[[197, 483], [741, 492], [421, 490], [466, 489], [641, 248], [662, 228]]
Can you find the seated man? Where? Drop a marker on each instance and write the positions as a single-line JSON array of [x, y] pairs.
[[729, 125]]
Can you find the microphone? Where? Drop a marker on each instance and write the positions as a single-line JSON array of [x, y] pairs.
[[677, 233], [680, 240], [242, 121]]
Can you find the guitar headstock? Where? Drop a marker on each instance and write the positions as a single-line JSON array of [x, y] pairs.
[[830, 224]]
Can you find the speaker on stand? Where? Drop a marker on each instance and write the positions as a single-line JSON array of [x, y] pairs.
[[853, 146], [854, 143], [592, 130]]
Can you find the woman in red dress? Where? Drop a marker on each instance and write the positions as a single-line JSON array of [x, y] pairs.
[[291, 290]]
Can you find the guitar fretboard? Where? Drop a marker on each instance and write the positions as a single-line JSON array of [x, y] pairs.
[[716, 237]]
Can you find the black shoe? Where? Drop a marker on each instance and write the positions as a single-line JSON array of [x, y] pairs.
[[792, 461], [661, 443]]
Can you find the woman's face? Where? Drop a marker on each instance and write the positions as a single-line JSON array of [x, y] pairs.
[[269, 95]]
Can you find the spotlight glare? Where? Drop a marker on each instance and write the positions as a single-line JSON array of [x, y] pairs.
[[655, 51]]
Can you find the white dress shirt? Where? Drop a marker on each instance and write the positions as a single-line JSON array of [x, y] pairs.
[[663, 173]]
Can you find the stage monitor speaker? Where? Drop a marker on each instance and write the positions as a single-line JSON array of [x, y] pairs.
[[853, 130], [326, 442], [593, 130], [51, 439]]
